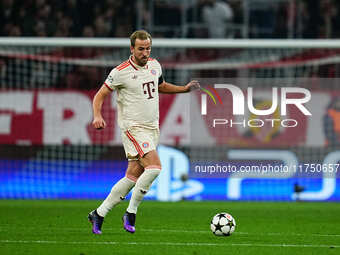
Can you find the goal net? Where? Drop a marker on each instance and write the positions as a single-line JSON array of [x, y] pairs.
[[48, 148]]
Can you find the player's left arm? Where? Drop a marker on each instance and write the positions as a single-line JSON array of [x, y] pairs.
[[169, 88]]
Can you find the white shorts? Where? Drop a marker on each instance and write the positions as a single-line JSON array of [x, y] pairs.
[[138, 141]]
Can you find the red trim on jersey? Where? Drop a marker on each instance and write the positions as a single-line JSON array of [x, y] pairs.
[[121, 64], [131, 63], [151, 59], [108, 86], [123, 67], [135, 143]]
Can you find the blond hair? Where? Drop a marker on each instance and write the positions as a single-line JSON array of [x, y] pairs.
[[141, 35]]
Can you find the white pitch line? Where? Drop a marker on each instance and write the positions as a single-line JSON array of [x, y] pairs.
[[118, 230], [241, 233], [170, 244]]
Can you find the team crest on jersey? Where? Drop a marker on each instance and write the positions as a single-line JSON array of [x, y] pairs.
[[145, 145], [153, 71]]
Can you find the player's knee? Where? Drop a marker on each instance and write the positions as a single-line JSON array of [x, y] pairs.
[[151, 159]]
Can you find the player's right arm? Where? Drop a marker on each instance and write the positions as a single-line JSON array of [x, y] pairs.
[[112, 81], [98, 120]]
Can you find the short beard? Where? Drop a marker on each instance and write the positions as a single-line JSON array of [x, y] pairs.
[[139, 61]]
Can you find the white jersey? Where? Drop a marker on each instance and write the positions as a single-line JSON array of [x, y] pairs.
[[137, 91]]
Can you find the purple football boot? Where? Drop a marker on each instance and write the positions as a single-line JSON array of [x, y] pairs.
[[129, 220], [96, 221]]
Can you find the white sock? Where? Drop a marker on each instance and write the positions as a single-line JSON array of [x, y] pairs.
[[117, 194], [143, 185]]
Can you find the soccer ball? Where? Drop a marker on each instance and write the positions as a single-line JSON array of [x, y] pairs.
[[222, 224]]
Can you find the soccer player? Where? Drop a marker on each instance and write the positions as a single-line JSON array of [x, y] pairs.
[[137, 82]]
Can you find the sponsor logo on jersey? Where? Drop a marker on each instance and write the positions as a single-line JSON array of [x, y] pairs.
[[145, 145], [153, 71]]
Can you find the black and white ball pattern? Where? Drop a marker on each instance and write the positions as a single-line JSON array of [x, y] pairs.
[[222, 224]]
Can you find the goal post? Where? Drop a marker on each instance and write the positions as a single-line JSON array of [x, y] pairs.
[[46, 59], [173, 43], [47, 85]]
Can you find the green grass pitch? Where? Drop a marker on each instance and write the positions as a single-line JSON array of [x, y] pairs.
[[61, 227]]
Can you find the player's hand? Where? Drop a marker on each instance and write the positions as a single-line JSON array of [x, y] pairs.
[[98, 123], [192, 85]]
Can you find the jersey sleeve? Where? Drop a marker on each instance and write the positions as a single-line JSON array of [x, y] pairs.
[[159, 71], [113, 80], [159, 67]]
